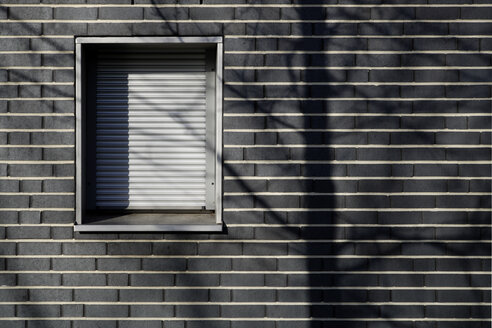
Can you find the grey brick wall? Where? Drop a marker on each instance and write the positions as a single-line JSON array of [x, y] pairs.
[[357, 170]]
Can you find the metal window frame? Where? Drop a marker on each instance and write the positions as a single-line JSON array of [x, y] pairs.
[[214, 186]]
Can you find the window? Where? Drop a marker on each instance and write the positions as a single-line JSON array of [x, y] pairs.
[[148, 134]]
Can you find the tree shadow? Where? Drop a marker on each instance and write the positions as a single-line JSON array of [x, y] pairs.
[[340, 267]]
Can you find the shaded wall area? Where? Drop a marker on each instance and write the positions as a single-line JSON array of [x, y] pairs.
[[356, 171]]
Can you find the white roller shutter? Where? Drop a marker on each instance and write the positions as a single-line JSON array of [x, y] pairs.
[[151, 129]]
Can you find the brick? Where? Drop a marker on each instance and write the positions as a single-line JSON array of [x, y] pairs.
[[438, 13], [38, 324], [380, 186], [63, 76], [63, 170], [46, 311], [277, 170], [28, 232], [39, 248], [241, 311], [52, 138], [468, 154], [30, 13], [422, 91], [94, 323], [200, 29], [479, 186], [424, 186], [52, 44], [479, 122], [44, 201], [423, 154], [75, 13], [234, 28], [255, 13], [435, 44], [18, 138], [140, 324], [286, 138], [197, 279], [20, 28], [28, 264], [120, 13], [287, 311], [242, 280], [459, 296], [20, 75], [194, 311], [438, 76], [9, 217], [30, 106], [13, 295], [266, 138], [456, 122], [467, 60], [392, 13], [423, 60], [265, 249], [151, 279], [219, 249], [164, 264], [20, 154], [129, 248], [84, 248], [9, 186], [369, 170], [50, 295], [238, 138], [448, 311], [106, 311], [118, 264], [140, 295], [401, 280], [305, 13], [457, 138], [29, 91], [263, 264], [39, 279], [8, 279], [72, 310], [63, 29], [84, 279], [468, 91], [211, 13], [258, 324], [299, 45], [95, 295], [186, 295], [412, 138], [126, 29], [378, 154], [209, 264], [73, 264], [30, 186], [335, 29]]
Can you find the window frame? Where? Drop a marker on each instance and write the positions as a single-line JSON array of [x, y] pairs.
[[168, 221]]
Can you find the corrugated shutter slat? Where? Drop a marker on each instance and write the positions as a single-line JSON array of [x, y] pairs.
[[151, 129]]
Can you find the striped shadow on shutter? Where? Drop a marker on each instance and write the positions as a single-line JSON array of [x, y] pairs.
[[151, 129]]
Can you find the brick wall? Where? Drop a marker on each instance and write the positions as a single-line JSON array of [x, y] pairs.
[[357, 170]]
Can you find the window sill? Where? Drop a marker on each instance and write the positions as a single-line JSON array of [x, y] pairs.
[[151, 222]]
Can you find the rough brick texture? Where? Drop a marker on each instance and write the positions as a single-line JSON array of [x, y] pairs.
[[356, 170]]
